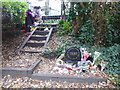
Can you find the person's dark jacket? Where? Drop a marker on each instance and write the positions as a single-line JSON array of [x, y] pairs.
[[29, 20]]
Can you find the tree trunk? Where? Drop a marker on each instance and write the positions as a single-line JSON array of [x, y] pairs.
[[74, 20], [99, 24]]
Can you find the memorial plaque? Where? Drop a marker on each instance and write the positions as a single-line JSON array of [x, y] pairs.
[[73, 54]]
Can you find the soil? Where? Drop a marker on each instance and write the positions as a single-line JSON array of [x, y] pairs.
[[10, 57], [10, 45], [47, 65], [13, 59]]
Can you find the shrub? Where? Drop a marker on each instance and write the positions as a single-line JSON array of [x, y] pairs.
[[13, 13], [64, 27]]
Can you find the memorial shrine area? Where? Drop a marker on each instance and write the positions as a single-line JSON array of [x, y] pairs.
[[60, 40], [79, 60]]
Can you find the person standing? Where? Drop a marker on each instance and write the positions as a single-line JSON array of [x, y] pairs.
[[29, 20]]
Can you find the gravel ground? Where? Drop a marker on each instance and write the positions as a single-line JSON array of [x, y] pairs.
[[22, 60], [39, 35], [25, 82], [34, 41], [54, 42], [46, 66], [12, 59], [10, 46], [33, 48]]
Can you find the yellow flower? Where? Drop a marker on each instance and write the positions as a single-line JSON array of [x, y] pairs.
[[32, 28]]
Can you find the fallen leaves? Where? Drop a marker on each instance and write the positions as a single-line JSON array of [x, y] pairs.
[[25, 82]]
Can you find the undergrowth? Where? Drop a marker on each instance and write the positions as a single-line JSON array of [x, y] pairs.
[[110, 52]]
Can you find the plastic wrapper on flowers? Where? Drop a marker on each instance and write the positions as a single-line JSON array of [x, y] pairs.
[[81, 66]]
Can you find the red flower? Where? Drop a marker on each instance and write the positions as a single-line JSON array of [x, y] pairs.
[[22, 30], [28, 33], [69, 68]]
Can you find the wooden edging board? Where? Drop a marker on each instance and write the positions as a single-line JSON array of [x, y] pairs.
[[35, 44], [58, 77], [28, 72], [30, 51], [19, 71], [48, 37], [26, 40]]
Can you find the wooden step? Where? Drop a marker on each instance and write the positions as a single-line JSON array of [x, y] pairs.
[[38, 38], [31, 51], [53, 25], [32, 39], [42, 29], [41, 33], [34, 44]]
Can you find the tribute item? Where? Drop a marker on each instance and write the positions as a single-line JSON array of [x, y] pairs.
[[73, 54]]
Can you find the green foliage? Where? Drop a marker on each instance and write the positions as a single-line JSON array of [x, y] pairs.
[[65, 28], [13, 12], [97, 22], [50, 21], [113, 58], [47, 52], [104, 28], [113, 29], [81, 9], [118, 82], [109, 54], [86, 34], [61, 22], [57, 51]]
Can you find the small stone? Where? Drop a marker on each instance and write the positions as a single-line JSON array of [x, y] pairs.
[[10, 81], [55, 68], [92, 71]]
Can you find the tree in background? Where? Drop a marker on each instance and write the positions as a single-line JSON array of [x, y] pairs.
[[79, 13], [104, 18]]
